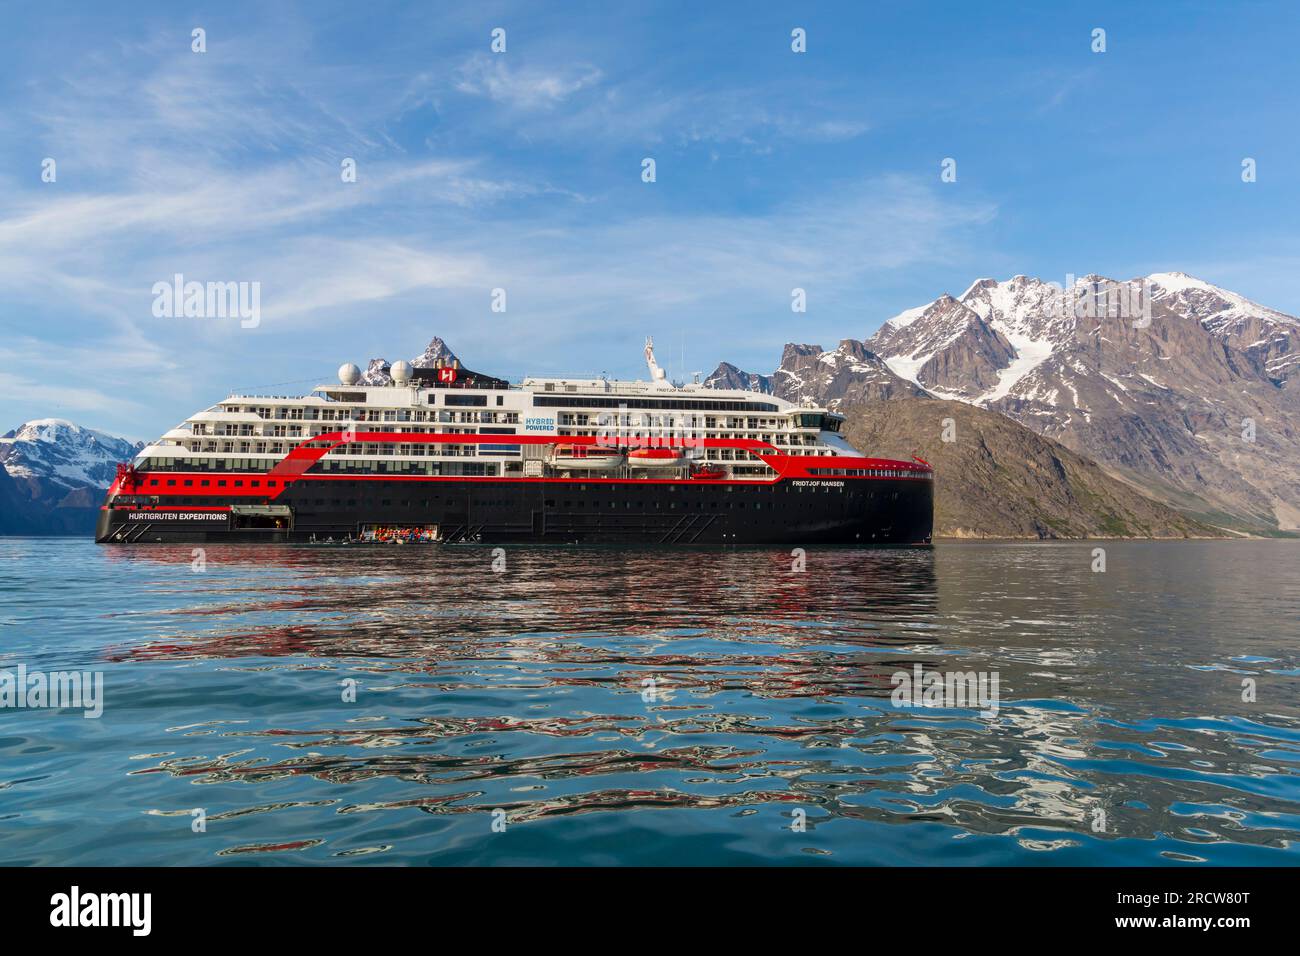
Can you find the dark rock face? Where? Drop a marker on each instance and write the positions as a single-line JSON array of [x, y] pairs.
[[963, 352]]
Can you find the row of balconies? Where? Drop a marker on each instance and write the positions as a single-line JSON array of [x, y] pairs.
[[775, 438], [359, 414], [637, 420], [278, 447], [374, 416]]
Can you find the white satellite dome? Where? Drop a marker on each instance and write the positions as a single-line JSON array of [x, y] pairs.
[[349, 374], [400, 372]]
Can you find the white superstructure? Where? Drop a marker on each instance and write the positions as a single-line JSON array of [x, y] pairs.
[[253, 433]]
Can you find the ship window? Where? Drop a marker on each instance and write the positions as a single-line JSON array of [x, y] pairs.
[[204, 483], [154, 481]]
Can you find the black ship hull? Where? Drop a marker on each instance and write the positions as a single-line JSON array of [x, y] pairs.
[[786, 512]]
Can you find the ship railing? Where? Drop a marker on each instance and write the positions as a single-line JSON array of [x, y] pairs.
[[282, 398]]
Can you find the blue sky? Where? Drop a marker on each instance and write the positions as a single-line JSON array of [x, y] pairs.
[[522, 171]]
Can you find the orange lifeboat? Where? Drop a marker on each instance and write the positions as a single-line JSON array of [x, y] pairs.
[[585, 457], [655, 457]]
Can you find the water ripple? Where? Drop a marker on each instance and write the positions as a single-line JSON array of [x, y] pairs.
[[394, 705]]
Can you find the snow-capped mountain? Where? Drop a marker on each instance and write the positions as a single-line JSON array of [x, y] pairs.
[[999, 333], [727, 375], [1189, 391], [54, 475], [62, 453], [1176, 383], [1265, 334], [376, 372], [845, 375]]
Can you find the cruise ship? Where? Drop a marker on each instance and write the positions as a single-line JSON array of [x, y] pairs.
[[443, 454]]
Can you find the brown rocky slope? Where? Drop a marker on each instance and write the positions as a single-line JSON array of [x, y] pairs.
[[999, 479]]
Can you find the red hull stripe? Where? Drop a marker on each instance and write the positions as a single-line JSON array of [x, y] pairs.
[[295, 464], [171, 508], [143, 487]]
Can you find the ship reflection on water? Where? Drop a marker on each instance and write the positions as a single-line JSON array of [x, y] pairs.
[[442, 604], [700, 707]]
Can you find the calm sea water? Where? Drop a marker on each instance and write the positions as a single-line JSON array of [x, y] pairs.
[[767, 737]]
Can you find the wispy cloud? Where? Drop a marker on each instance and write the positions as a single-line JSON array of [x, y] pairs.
[[226, 167], [523, 87]]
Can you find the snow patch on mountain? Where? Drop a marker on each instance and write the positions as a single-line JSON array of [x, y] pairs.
[[1217, 309], [908, 316], [1030, 353], [907, 366], [1175, 282]]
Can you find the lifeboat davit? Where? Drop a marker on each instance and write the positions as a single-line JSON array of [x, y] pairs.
[[586, 457], [655, 457]]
